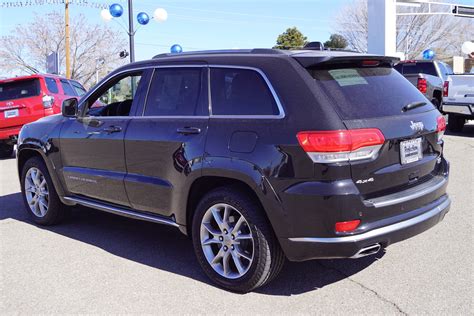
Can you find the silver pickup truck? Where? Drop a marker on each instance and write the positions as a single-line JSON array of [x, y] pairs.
[[428, 76], [458, 100]]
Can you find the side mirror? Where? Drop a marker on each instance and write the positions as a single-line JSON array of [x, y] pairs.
[[69, 107]]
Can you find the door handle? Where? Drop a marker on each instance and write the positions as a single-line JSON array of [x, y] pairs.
[[188, 130], [112, 129]]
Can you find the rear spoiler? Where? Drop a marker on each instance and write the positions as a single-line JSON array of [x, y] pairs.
[[311, 61]]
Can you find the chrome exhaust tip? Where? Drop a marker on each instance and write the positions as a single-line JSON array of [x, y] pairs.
[[367, 251]]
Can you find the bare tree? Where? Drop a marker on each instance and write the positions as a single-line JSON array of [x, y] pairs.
[[26, 49], [415, 33]]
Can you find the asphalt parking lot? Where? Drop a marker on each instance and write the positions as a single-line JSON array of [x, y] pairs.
[[100, 263]]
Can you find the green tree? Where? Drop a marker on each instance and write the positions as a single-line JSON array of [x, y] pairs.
[[336, 41], [291, 38]]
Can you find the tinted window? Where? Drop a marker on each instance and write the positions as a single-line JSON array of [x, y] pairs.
[[68, 90], [80, 91], [51, 84], [415, 68], [359, 93], [19, 89], [240, 92], [174, 91]]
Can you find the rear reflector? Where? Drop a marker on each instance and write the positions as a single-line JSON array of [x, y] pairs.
[[421, 85], [441, 127], [445, 88], [345, 227], [341, 145]]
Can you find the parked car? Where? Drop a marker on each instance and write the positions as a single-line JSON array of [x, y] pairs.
[[28, 98], [458, 100], [428, 76], [257, 155]]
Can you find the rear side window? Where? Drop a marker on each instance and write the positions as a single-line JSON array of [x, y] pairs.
[[67, 88], [80, 91], [422, 67], [240, 92], [51, 85], [174, 92], [366, 92], [19, 89]]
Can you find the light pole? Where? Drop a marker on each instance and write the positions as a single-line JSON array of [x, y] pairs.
[[116, 10]]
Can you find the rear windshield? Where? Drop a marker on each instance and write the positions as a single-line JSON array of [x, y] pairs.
[[367, 92], [19, 89], [416, 68]]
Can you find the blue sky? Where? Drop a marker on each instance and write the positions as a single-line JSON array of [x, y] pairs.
[[207, 24]]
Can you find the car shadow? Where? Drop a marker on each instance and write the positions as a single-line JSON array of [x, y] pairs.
[[165, 248], [467, 131]]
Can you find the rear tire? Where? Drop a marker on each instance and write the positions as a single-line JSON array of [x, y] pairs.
[[39, 195], [253, 254], [455, 123], [6, 150]]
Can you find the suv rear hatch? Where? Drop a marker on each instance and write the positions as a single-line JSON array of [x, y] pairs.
[[369, 94], [20, 102]]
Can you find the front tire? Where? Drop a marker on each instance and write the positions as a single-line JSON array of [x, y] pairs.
[[455, 123], [39, 195], [234, 242]]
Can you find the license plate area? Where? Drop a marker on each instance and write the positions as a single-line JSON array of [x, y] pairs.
[[411, 150], [11, 113]]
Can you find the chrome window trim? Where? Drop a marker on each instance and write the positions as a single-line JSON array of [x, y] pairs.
[[281, 111]]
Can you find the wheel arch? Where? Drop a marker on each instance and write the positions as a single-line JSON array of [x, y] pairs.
[[26, 152], [261, 191]]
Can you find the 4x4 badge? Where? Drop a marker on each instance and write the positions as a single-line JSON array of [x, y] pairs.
[[365, 181]]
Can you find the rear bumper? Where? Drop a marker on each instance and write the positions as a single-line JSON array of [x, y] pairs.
[[459, 108], [307, 248], [9, 133]]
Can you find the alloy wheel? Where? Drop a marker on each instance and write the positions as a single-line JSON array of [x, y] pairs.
[[227, 241], [36, 192]]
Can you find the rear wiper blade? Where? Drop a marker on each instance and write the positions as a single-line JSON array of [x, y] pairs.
[[413, 105]]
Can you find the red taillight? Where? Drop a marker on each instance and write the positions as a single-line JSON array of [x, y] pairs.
[[440, 127], [445, 88], [421, 85], [344, 227], [341, 145]]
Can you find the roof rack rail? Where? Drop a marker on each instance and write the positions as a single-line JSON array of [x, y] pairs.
[[224, 51]]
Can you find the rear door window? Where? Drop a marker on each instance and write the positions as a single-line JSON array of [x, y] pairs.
[[51, 85], [175, 92], [19, 89], [240, 92], [67, 88], [367, 92]]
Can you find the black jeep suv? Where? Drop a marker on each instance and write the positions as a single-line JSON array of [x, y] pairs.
[[258, 155]]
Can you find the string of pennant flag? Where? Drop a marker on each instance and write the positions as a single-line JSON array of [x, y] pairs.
[[29, 3]]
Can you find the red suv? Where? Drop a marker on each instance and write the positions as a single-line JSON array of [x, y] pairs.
[[26, 99]]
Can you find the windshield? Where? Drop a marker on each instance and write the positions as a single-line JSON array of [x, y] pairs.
[[367, 92], [19, 89]]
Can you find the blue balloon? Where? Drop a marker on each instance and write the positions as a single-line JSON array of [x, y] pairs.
[[143, 18], [116, 10], [176, 48], [428, 54]]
